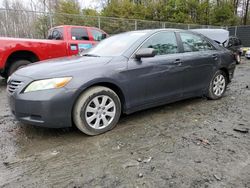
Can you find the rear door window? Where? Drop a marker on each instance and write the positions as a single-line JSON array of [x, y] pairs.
[[79, 34], [194, 43]]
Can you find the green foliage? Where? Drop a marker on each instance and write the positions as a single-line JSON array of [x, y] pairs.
[[203, 12], [70, 9], [90, 12], [223, 14]]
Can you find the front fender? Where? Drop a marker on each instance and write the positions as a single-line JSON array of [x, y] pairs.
[[106, 82]]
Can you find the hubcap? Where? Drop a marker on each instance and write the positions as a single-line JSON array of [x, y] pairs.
[[100, 112], [219, 85]]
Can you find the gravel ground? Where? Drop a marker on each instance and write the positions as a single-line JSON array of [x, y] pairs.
[[191, 143]]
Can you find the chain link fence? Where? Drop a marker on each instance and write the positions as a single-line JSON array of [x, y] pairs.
[[242, 32], [31, 24]]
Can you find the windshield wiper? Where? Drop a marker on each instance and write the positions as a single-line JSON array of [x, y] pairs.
[[91, 55]]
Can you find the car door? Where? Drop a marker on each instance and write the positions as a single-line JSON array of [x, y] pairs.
[[56, 48], [156, 79], [200, 58], [79, 40]]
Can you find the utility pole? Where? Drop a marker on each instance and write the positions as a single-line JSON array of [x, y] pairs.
[[45, 6]]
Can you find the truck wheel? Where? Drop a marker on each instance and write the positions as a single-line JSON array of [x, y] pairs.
[[97, 110], [17, 65], [3, 75]]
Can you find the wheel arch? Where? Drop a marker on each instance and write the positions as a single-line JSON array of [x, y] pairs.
[[115, 88], [21, 55], [109, 84], [225, 70]]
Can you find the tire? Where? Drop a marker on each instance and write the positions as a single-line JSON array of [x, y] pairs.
[[17, 65], [238, 59], [217, 85], [3, 75], [89, 114]]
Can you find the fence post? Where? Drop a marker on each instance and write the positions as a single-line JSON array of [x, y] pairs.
[[235, 31], [50, 20], [135, 24], [99, 22], [163, 25]]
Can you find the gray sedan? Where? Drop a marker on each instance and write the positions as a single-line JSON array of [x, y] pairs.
[[125, 73]]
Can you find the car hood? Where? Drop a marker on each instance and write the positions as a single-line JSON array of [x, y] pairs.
[[62, 67]]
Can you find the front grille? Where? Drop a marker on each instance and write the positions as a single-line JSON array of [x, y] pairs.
[[13, 85]]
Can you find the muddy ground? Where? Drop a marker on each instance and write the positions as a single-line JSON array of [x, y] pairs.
[[191, 143]]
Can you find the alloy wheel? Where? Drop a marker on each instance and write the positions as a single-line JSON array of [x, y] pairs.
[[219, 85], [100, 112]]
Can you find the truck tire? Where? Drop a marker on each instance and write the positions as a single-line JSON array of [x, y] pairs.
[[97, 110], [3, 74], [17, 65]]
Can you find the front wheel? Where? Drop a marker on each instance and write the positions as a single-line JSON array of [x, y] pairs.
[[217, 86], [97, 110]]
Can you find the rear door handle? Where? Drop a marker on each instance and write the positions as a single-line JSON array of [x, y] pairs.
[[215, 56]]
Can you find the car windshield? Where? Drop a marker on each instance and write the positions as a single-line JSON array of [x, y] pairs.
[[115, 45]]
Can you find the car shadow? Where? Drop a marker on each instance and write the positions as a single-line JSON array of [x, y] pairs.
[[166, 108], [40, 138], [44, 133]]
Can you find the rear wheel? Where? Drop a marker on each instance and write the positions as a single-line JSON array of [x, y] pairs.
[[97, 110], [217, 86], [17, 65]]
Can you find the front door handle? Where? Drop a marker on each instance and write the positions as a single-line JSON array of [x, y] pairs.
[[178, 62]]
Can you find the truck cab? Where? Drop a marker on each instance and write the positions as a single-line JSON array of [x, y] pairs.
[[79, 38]]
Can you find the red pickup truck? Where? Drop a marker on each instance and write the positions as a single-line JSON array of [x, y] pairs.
[[62, 41]]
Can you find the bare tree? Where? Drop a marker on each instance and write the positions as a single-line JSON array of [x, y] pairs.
[[247, 2]]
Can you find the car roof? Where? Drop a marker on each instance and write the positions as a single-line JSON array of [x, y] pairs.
[[152, 31], [75, 26]]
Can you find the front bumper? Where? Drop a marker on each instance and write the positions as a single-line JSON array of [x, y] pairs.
[[48, 108]]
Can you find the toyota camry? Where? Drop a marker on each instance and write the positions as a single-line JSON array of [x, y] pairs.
[[124, 73]]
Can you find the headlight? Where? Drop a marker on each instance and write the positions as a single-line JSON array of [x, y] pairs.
[[52, 83]]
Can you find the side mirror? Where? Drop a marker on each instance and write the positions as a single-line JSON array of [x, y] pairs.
[[145, 52]]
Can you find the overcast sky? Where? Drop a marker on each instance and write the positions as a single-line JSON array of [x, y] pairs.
[[83, 3]]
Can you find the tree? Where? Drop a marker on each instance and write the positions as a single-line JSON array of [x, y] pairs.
[[246, 12], [68, 12], [223, 14]]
